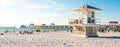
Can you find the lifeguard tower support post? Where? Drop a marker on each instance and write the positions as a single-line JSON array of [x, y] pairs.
[[85, 25]]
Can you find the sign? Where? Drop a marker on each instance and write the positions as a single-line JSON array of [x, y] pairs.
[[39, 26]]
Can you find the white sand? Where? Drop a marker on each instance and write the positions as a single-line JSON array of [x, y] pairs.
[[57, 40]]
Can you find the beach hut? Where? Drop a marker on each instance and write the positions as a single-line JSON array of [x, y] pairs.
[[51, 29], [103, 28], [38, 28], [112, 27]]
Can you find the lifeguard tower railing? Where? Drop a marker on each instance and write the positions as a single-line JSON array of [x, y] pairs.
[[77, 21]]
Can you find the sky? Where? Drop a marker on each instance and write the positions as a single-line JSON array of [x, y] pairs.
[[24, 12]]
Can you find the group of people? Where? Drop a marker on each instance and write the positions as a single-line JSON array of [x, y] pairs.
[[108, 30], [26, 32]]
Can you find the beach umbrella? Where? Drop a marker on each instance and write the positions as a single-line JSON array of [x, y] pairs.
[[23, 26]]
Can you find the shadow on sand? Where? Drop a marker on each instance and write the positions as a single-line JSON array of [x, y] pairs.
[[108, 37]]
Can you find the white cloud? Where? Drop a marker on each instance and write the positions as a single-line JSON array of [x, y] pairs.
[[9, 18], [26, 4], [12, 16], [38, 6], [55, 3], [11, 2]]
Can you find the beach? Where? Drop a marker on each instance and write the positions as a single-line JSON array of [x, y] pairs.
[[58, 39]]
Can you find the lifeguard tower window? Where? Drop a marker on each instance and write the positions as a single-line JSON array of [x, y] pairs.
[[93, 13], [89, 20], [93, 21]]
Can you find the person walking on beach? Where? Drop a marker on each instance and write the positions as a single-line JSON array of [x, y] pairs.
[[71, 30], [108, 30]]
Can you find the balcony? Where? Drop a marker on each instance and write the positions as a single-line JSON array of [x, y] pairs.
[[84, 21], [73, 21]]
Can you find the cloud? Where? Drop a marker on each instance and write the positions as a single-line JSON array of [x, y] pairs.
[[10, 2], [47, 4], [27, 4], [55, 3], [38, 6], [17, 12], [17, 19], [29, 7]]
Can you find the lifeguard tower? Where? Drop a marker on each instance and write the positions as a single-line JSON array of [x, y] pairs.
[[85, 25]]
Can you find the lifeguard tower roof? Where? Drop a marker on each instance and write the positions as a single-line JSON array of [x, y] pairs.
[[90, 7]]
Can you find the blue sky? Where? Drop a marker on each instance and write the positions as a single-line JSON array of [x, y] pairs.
[[18, 12]]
